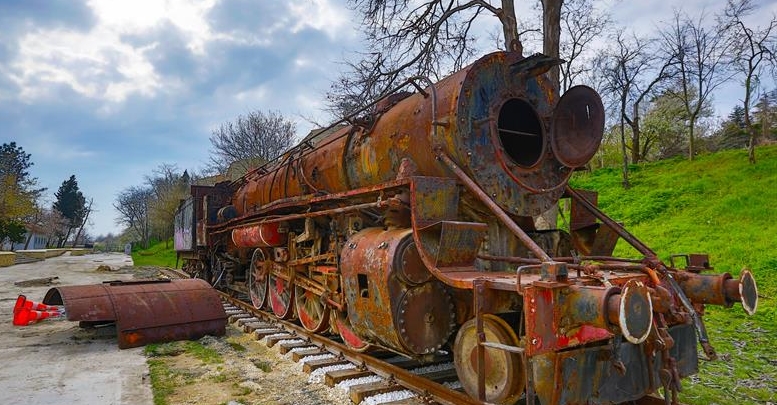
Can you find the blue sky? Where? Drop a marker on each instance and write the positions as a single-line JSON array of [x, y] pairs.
[[110, 89]]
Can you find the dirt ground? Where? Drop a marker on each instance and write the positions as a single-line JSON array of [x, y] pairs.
[[55, 361]]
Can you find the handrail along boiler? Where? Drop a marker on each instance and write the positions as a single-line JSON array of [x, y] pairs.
[[411, 227]]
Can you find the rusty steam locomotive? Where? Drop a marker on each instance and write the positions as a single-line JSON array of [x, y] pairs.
[[411, 226]]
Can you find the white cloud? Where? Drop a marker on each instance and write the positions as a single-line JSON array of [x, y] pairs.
[[99, 64], [95, 65], [320, 15]]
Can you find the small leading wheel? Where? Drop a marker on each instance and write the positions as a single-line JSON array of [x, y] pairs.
[[257, 279], [281, 296], [504, 374], [312, 313], [350, 338]]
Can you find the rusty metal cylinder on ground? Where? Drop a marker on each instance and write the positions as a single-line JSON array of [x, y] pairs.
[[145, 311]]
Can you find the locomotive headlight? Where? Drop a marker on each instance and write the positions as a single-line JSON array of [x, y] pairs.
[[577, 126]]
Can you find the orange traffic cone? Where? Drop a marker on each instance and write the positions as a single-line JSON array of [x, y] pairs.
[[32, 305], [26, 316], [19, 303]]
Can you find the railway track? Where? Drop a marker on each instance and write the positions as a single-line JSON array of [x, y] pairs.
[[374, 373], [382, 376], [365, 374]]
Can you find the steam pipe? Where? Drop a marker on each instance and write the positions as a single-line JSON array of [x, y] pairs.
[[483, 197]]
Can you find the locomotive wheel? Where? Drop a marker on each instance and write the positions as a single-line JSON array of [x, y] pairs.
[[281, 297], [505, 379], [312, 314], [257, 279], [350, 338]]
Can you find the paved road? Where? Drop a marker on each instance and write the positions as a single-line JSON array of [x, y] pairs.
[[55, 361]]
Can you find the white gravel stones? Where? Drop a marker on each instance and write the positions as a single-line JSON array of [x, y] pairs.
[[299, 349], [346, 384], [317, 376], [274, 335], [387, 397], [267, 330], [317, 357], [289, 341]]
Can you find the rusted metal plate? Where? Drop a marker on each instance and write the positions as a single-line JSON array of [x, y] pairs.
[[145, 311], [590, 375], [183, 238], [383, 305], [577, 126]]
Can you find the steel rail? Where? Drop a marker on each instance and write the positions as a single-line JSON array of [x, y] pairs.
[[424, 388], [421, 386]]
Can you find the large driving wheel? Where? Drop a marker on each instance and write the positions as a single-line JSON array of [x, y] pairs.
[[257, 279], [281, 296], [504, 374], [312, 313]]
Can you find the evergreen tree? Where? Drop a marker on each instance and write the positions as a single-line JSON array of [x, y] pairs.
[[72, 205]]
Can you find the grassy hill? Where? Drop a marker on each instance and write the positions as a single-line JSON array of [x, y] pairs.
[[721, 205]]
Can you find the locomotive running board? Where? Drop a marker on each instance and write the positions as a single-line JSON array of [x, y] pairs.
[[146, 311]]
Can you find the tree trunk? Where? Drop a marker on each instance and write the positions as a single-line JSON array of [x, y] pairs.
[[62, 243], [510, 26], [691, 149], [626, 184], [551, 31], [635, 133], [83, 224], [748, 124]]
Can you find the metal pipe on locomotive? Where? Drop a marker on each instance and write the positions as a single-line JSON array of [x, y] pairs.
[[412, 228]]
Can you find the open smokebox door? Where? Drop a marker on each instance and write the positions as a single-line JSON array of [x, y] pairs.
[[145, 311]]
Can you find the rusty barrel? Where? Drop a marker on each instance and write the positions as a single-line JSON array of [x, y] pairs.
[[145, 311]]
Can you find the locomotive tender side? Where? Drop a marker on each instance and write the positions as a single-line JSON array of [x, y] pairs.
[[412, 228]]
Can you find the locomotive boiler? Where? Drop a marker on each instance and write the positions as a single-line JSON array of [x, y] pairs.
[[412, 226]]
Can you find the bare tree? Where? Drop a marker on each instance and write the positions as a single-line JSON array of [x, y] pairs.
[[701, 53], [631, 73], [429, 38], [581, 23], [250, 141], [84, 221], [133, 207], [53, 224], [169, 186], [752, 49]]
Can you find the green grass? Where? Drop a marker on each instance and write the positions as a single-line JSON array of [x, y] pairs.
[[162, 383], [164, 379], [156, 255], [721, 205], [193, 348]]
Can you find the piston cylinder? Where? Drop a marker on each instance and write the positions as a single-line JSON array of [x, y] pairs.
[[262, 235]]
